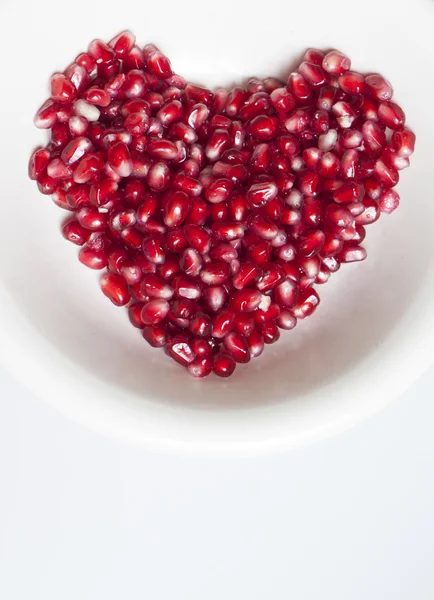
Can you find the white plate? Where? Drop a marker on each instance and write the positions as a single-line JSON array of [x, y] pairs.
[[373, 333]]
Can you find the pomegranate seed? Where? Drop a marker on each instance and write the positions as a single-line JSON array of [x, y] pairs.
[[247, 273], [403, 142], [299, 88], [94, 259], [115, 288], [378, 87], [75, 233], [370, 214], [327, 141], [99, 51], [270, 332], [351, 253], [62, 89], [155, 336], [348, 192], [374, 137], [153, 249], [286, 293], [86, 110], [297, 121], [387, 176], [214, 297], [391, 115], [227, 231], [134, 314], [352, 83], [307, 304], [215, 273], [200, 366], [313, 73], [155, 311], [312, 244], [224, 364], [236, 345], [286, 320], [336, 63], [344, 113], [349, 164], [88, 168], [123, 43], [38, 163], [389, 201], [176, 209], [246, 300], [158, 176]]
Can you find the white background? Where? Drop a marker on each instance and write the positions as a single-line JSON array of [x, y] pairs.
[[86, 518]]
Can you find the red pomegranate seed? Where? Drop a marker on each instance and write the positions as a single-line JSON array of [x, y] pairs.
[[94, 259], [348, 192], [156, 336], [312, 244], [344, 113], [387, 176], [198, 238], [176, 209], [297, 121], [76, 149], [391, 115], [352, 83], [403, 142], [89, 167], [62, 89], [158, 176], [119, 159], [307, 304], [349, 164], [246, 300], [180, 350], [336, 63], [313, 73], [155, 311], [247, 274], [352, 253], [201, 366], [215, 297], [224, 364], [286, 320], [286, 293], [374, 137], [389, 201], [86, 110], [260, 193], [392, 159], [134, 314], [75, 233], [299, 88], [116, 289], [227, 231], [370, 214], [236, 345], [191, 262], [215, 273], [154, 287], [123, 43], [38, 163], [378, 87]]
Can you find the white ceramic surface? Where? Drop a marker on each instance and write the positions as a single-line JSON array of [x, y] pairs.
[[373, 334]]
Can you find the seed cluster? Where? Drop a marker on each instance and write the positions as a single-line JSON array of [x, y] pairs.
[[216, 213]]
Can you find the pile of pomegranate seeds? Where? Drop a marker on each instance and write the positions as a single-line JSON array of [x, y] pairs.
[[216, 213]]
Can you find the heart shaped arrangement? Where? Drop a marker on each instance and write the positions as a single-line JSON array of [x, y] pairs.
[[215, 213]]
